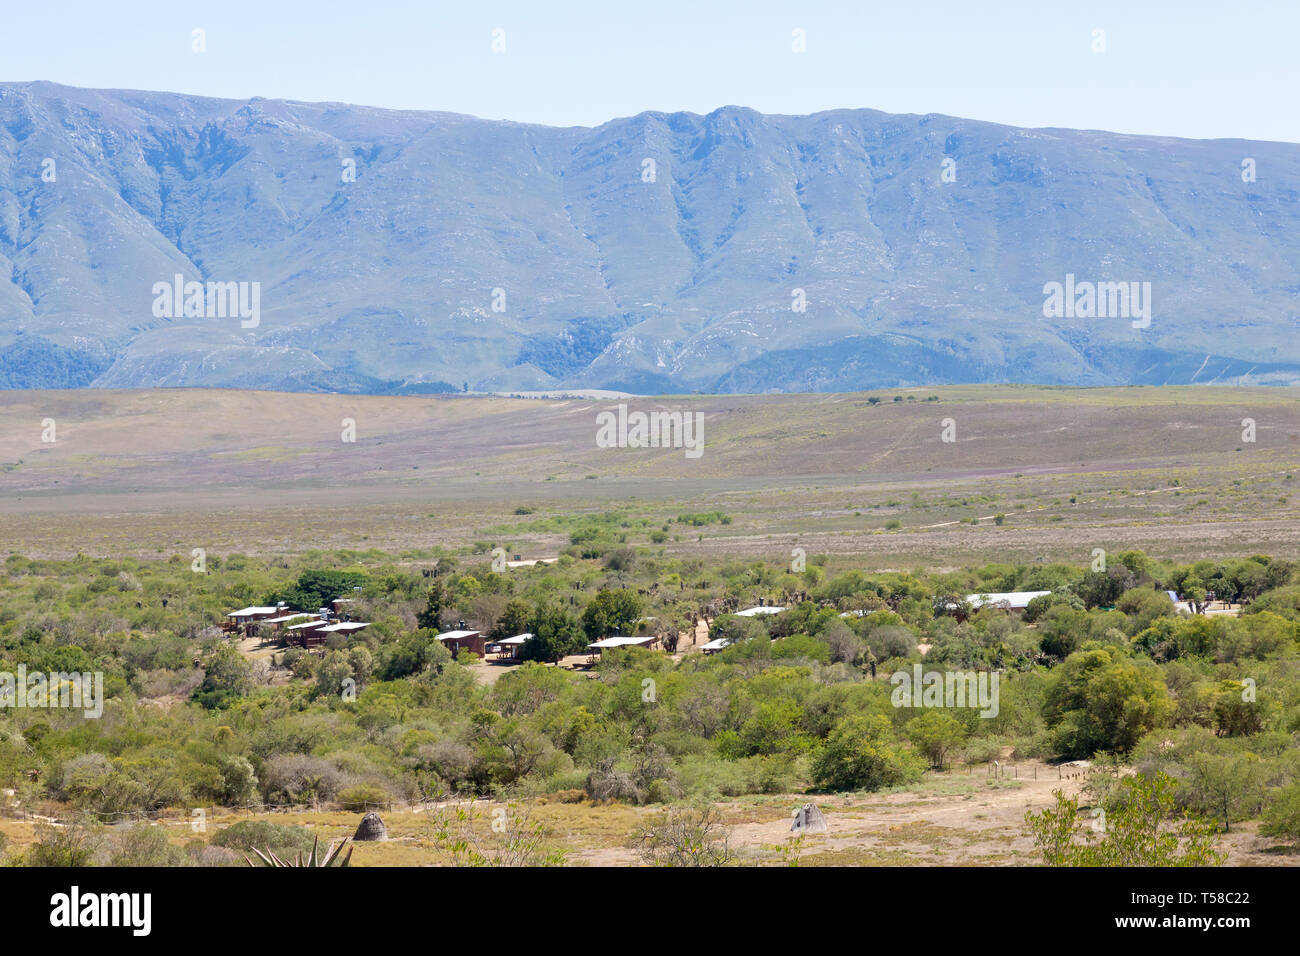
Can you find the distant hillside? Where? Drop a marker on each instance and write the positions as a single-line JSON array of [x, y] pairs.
[[408, 252]]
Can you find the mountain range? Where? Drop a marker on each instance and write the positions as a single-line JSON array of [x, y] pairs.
[[665, 253]]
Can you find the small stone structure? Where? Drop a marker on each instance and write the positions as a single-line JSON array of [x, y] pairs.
[[808, 819], [370, 828]]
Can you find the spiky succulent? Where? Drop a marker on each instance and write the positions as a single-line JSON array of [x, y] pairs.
[[331, 856]]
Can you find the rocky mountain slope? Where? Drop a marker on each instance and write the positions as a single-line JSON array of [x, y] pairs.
[[399, 252]]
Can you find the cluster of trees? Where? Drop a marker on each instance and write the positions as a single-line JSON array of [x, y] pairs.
[[800, 699]]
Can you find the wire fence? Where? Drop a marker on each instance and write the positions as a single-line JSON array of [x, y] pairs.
[[197, 817], [995, 770]]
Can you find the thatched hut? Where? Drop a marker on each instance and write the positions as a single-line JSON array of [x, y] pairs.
[[371, 828], [808, 819]]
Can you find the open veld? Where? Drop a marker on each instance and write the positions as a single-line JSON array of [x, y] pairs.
[[820, 550], [952, 819], [1031, 474]]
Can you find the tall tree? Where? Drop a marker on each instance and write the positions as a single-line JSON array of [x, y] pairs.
[[611, 611], [429, 617], [556, 633]]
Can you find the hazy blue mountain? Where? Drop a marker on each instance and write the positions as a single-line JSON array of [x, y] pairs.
[[386, 283]]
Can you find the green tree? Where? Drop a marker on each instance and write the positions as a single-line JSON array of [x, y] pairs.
[[934, 734], [414, 653], [238, 781], [1236, 712], [513, 620], [333, 671], [555, 633], [507, 749], [67, 846], [1143, 606], [316, 588], [1230, 786], [1103, 588], [685, 836], [861, 754], [226, 674], [1142, 830], [774, 728], [1282, 815], [610, 611], [139, 844], [1100, 700], [433, 603]]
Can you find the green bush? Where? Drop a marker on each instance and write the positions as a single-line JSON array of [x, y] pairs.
[[364, 796], [262, 834], [861, 754], [1101, 701], [71, 846], [1137, 830], [142, 844], [709, 777], [1282, 815]]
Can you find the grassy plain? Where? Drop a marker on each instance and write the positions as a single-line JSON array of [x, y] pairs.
[[1034, 475], [959, 818], [872, 483]]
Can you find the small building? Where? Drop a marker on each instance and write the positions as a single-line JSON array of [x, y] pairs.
[[457, 641], [345, 627], [715, 645], [281, 622], [283, 619], [305, 633], [760, 610], [246, 617], [317, 633], [289, 618], [510, 647], [1013, 601], [598, 647]]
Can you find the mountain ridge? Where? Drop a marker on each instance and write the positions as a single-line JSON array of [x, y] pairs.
[[502, 256]]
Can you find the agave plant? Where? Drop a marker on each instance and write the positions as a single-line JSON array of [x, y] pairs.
[[331, 856]]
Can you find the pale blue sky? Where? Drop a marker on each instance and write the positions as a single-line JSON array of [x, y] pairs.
[[1179, 67]]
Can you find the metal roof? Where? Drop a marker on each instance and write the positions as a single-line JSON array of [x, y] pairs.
[[621, 641], [1015, 599], [250, 611], [305, 624]]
